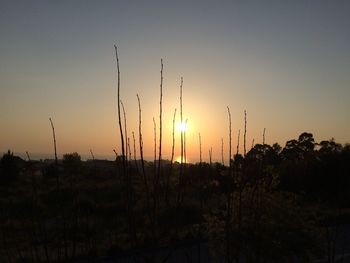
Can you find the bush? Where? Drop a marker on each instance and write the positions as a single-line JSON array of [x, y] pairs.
[[9, 168]]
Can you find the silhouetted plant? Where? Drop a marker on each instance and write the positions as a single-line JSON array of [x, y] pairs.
[[92, 155], [245, 133], [119, 117], [200, 148], [55, 149], [9, 168], [263, 137], [239, 133]]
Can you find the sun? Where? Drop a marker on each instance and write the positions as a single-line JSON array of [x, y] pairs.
[[182, 126]]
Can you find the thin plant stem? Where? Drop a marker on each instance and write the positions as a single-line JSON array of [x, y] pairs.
[[182, 146], [119, 117], [160, 122], [185, 155], [116, 154], [155, 143], [134, 146], [239, 133], [245, 132], [230, 135], [171, 161], [129, 148], [92, 154], [210, 155], [173, 134], [55, 149], [264, 136], [200, 148], [181, 120], [143, 162], [28, 156], [222, 151], [126, 133], [141, 145]]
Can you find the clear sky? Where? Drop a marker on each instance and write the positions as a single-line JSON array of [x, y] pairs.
[[286, 62]]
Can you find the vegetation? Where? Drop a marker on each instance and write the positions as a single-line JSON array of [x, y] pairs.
[[282, 205]]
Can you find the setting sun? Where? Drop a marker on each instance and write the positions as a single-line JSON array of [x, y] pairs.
[[182, 126]]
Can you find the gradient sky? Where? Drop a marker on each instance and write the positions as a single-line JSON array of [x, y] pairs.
[[286, 62]]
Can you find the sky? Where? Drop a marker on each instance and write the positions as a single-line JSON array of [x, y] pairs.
[[287, 63]]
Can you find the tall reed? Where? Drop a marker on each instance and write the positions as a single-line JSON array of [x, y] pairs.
[[155, 145], [210, 155], [222, 151], [141, 146], [160, 123], [185, 155], [125, 132], [264, 136], [119, 116], [134, 147], [230, 136], [182, 149], [171, 161], [245, 132], [239, 133], [200, 148], [228, 194], [55, 148]]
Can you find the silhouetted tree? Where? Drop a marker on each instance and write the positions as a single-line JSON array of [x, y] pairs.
[[9, 168], [330, 146], [306, 142], [277, 148], [72, 164]]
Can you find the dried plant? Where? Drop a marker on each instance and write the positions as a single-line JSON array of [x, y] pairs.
[[141, 146], [245, 132], [210, 155], [134, 147], [181, 121], [171, 161], [92, 154], [55, 148], [182, 148], [229, 195], [200, 148], [54, 140], [129, 148], [145, 181], [155, 143], [127, 151], [185, 156], [239, 133], [264, 136], [132, 233], [173, 134], [119, 117], [28, 156], [222, 151], [230, 136], [116, 154], [160, 122]]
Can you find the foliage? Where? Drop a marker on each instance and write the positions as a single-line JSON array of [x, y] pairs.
[[9, 168], [270, 206]]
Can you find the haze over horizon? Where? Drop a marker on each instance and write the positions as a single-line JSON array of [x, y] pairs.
[[287, 64]]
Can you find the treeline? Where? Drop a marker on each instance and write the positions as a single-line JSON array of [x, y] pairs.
[[272, 205]]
